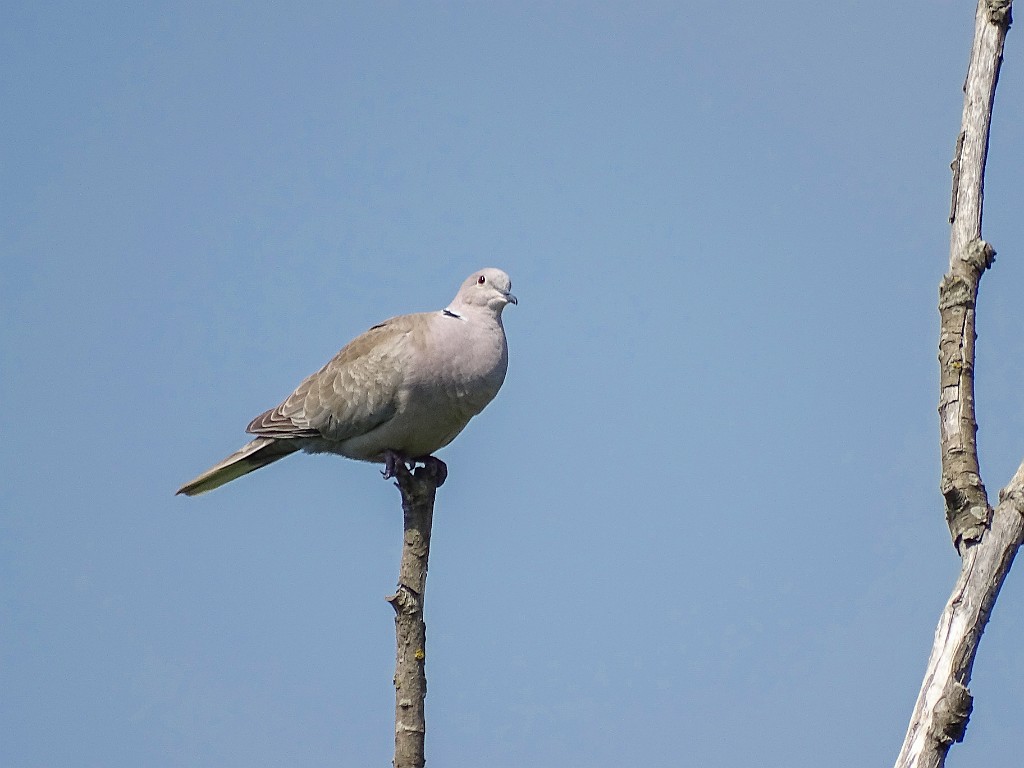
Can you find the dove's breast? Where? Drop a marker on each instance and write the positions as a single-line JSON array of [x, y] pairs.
[[454, 370]]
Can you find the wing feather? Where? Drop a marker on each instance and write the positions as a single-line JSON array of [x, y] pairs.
[[354, 393]]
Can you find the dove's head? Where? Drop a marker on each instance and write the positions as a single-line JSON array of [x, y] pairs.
[[489, 288]]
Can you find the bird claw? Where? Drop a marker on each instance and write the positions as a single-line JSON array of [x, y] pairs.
[[392, 462], [395, 463]]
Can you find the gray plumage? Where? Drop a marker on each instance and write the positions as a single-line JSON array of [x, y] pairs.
[[404, 388]]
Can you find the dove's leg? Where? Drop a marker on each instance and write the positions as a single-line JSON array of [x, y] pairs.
[[392, 460]]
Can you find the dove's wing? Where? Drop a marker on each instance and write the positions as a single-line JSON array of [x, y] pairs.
[[354, 393]]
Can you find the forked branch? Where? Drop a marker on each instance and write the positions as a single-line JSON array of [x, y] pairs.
[[986, 539]]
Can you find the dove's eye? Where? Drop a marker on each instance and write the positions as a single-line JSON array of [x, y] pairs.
[[481, 280]]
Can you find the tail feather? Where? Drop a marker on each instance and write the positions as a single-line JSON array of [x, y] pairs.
[[250, 457]]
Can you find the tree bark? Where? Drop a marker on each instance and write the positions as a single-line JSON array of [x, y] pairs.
[[986, 539], [967, 508], [418, 491], [944, 703]]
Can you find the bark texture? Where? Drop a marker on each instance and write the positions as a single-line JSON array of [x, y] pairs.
[[986, 539], [418, 491], [944, 703], [967, 509]]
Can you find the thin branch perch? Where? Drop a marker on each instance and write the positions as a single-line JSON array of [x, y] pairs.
[[418, 491]]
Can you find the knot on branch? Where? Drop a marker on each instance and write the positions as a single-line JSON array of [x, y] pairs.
[[955, 291], [967, 513], [1000, 12], [952, 712], [405, 601], [961, 290], [979, 254]]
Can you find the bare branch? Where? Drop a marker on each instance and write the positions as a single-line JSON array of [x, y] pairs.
[[967, 507], [418, 490], [987, 539], [944, 703]]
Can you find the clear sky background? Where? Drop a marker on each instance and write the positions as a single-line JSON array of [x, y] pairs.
[[700, 525]]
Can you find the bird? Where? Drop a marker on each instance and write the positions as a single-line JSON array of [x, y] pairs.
[[393, 395]]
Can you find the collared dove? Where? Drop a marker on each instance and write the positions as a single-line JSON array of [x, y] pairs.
[[397, 393]]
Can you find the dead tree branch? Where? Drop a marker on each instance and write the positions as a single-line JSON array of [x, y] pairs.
[[986, 539], [944, 703], [967, 508], [418, 490]]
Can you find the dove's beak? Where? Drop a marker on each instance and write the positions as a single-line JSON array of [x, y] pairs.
[[511, 299]]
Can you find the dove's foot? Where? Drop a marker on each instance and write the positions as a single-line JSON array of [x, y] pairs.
[[392, 462], [395, 463], [435, 467]]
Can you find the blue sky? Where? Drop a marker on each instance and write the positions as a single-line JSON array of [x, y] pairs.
[[700, 525]]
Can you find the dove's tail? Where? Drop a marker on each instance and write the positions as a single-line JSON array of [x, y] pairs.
[[250, 457]]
